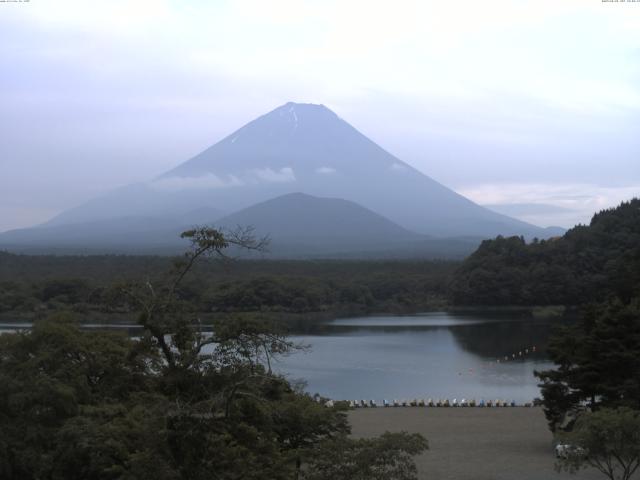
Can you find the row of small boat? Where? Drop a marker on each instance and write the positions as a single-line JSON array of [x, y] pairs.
[[430, 403]]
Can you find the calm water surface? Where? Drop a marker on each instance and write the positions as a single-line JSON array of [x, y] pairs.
[[432, 355], [420, 356]]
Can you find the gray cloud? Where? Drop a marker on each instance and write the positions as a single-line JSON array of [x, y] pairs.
[[209, 181], [269, 175], [93, 99], [325, 170]]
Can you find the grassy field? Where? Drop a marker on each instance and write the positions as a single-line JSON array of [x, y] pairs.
[[473, 443]]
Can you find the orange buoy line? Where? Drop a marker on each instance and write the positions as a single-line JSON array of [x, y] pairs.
[[514, 356]]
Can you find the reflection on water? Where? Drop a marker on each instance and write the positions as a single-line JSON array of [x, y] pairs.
[[421, 356], [432, 355], [408, 321]]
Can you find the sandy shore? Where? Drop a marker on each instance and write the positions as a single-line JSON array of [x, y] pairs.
[[473, 443]]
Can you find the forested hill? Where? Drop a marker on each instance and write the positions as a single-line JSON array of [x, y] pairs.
[[587, 264], [35, 286]]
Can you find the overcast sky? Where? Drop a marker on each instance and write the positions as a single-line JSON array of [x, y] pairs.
[[510, 102]]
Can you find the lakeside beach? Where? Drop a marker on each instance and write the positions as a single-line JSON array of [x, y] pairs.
[[473, 443]]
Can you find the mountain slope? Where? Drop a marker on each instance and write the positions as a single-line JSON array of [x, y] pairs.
[[587, 264], [298, 225], [134, 234], [297, 216], [128, 234], [303, 226], [304, 148]]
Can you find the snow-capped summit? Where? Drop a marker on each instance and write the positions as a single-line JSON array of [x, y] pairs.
[[302, 147]]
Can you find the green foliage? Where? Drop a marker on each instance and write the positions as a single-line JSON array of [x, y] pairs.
[[388, 457], [35, 286], [50, 376], [588, 263], [607, 440], [81, 405], [64, 290], [175, 403], [598, 362]]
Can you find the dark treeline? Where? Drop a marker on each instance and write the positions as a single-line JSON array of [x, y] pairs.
[[37, 285], [589, 263], [598, 362], [175, 403], [591, 397]]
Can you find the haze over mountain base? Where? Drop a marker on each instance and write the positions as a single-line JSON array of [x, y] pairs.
[[351, 198]]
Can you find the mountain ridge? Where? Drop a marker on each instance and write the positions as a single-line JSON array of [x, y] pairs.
[[302, 216], [298, 225], [304, 148]]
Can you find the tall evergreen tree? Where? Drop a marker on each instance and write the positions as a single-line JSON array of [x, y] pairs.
[[597, 362]]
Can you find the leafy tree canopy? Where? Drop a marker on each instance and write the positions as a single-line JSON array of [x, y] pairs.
[[607, 440], [597, 362], [176, 403], [588, 263]]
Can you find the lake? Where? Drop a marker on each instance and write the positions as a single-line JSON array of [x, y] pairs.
[[432, 355]]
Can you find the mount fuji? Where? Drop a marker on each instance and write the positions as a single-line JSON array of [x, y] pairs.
[[295, 148]]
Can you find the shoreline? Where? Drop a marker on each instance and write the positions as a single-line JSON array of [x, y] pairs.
[[473, 443], [316, 317]]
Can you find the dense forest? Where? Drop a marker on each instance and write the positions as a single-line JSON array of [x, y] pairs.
[[181, 403], [588, 263], [35, 286], [174, 403]]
